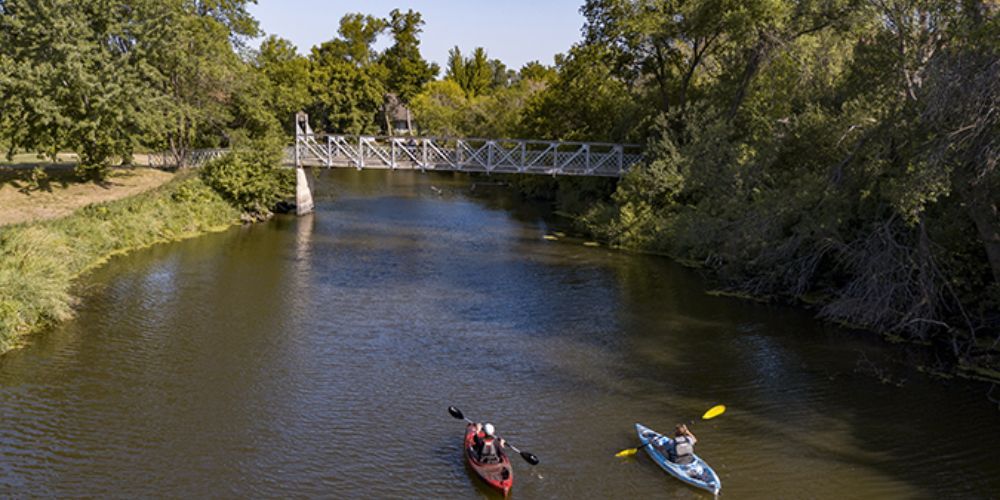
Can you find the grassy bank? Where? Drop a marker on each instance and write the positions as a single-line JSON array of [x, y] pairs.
[[35, 192], [39, 262]]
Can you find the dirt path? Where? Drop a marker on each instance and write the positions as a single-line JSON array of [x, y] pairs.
[[61, 193]]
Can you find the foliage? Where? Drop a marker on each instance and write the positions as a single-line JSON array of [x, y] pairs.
[[538, 72], [251, 178], [67, 80], [101, 78], [584, 102], [407, 69], [286, 78], [844, 152], [347, 85], [443, 109], [476, 74], [195, 73]]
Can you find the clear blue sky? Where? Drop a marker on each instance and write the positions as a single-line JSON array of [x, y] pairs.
[[514, 31]]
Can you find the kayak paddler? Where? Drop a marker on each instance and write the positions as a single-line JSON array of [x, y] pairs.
[[681, 449], [488, 449]]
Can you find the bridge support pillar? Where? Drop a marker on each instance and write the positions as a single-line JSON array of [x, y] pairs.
[[303, 192]]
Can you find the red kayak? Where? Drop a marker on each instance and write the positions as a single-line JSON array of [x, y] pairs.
[[499, 476]]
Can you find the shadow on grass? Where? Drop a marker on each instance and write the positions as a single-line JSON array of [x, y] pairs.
[[43, 176]]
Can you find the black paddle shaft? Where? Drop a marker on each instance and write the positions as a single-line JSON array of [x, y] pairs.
[[528, 457]]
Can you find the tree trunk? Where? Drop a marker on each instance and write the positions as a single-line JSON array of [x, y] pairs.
[[755, 60], [985, 214]]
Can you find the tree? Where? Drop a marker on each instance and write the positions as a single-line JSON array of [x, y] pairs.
[[443, 110], [253, 119], [456, 67], [70, 79], [358, 33], [193, 66], [958, 91], [232, 14], [479, 74], [347, 83], [476, 74], [287, 78], [586, 101], [407, 69], [538, 72], [676, 44]]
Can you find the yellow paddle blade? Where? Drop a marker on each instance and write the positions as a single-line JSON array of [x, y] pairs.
[[627, 453], [715, 411]]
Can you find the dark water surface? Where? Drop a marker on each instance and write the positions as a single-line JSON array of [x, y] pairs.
[[316, 357]]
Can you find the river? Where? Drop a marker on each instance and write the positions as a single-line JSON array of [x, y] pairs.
[[317, 356]]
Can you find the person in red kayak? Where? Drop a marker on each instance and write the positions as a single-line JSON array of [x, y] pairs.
[[487, 447]]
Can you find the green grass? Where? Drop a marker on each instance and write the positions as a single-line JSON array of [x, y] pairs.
[[40, 262]]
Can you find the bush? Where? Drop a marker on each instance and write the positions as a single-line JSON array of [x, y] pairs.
[[251, 179]]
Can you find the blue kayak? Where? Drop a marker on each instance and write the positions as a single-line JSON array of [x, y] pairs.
[[697, 473]]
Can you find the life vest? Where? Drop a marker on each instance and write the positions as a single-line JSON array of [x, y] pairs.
[[683, 450], [488, 452]]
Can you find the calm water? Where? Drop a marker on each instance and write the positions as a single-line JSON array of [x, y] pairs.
[[317, 357]]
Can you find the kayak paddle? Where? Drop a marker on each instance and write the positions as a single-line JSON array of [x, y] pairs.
[[713, 412], [528, 457]]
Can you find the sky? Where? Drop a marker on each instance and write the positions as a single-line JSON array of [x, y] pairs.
[[514, 31]]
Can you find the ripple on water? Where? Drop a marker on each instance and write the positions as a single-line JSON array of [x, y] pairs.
[[316, 357]]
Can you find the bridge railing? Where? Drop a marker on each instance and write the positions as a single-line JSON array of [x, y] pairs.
[[194, 158], [466, 155]]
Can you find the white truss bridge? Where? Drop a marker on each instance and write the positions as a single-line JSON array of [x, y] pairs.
[[507, 156]]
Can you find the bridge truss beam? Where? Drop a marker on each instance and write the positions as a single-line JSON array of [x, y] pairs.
[[463, 155]]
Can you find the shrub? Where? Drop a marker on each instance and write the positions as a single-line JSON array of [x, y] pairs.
[[250, 179]]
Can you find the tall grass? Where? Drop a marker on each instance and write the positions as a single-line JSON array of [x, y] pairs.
[[40, 261]]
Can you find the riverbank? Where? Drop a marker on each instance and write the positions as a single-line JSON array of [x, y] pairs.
[[966, 356], [626, 218], [41, 261], [31, 192]]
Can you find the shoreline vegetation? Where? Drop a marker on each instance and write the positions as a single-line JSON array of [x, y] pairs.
[[42, 261]]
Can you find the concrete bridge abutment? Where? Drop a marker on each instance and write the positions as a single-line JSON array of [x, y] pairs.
[[304, 203]]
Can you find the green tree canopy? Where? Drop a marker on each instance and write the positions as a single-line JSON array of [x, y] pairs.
[[287, 77], [70, 79], [348, 84], [407, 69], [475, 74]]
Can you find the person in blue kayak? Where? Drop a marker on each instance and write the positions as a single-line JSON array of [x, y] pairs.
[[679, 450], [488, 449]]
